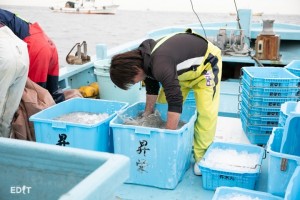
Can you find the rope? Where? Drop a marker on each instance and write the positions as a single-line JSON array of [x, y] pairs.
[[198, 19]]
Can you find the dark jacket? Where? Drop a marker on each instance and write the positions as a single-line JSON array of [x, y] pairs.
[[16, 24], [171, 59]]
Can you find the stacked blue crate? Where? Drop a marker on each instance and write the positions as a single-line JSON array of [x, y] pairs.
[[263, 90]]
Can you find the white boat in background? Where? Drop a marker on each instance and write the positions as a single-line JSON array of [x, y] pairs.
[[86, 7]]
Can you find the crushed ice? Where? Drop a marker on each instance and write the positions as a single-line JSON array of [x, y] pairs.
[[230, 159], [82, 117], [237, 196]]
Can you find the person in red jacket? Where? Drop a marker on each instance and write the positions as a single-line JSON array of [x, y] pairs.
[[43, 56]]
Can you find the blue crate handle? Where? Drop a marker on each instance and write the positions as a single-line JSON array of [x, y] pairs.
[[239, 102], [265, 154], [59, 124], [239, 107]]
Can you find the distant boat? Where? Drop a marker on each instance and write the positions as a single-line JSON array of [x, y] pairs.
[[86, 7]]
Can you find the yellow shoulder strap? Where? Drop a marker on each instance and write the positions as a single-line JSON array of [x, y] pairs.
[[162, 41], [188, 30]]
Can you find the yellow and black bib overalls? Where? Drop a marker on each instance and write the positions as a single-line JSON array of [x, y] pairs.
[[205, 82]]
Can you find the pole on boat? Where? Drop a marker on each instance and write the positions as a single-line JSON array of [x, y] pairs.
[[245, 23], [101, 51]]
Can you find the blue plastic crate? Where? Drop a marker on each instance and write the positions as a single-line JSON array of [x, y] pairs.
[[280, 166], [260, 111], [96, 137], [269, 77], [190, 99], [215, 177], [256, 134], [159, 157], [226, 193], [290, 140], [294, 67], [259, 120], [31, 170], [265, 101], [269, 92], [292, 190], [258, 139], [285, 109]]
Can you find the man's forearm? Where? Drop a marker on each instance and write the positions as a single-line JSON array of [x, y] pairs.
[[150, 103], [173, 120]]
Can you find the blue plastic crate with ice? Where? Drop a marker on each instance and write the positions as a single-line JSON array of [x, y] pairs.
[[292, 190], [281, 166], [227, 193], [269, 77], [31, 170], [95, 136], [294, 67], [216, 173], [159, 157]]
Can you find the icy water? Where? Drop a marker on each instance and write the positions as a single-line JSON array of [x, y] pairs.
[[153, 120], [112, 30]]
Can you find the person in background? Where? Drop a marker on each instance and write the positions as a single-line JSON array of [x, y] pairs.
[[43, 56], [180, 62], [14, 65]]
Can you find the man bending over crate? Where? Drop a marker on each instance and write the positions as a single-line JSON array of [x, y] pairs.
[[180, 62]]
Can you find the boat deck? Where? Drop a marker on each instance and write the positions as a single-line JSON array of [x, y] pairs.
[[228, 129]]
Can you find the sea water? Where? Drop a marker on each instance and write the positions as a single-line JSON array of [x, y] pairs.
[[113, 30]]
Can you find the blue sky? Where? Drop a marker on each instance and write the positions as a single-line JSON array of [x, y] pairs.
[[265, 6]]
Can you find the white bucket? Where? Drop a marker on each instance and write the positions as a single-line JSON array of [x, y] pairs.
[[109, 91], [102, 65]]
